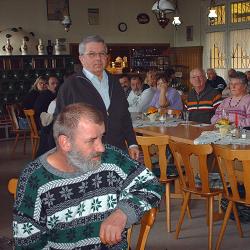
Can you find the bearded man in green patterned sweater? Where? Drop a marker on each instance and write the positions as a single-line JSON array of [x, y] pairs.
[[82, 194]]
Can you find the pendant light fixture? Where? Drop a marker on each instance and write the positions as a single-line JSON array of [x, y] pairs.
[[212, 15], [161, 8]]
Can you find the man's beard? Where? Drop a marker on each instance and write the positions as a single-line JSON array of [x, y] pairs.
[[83, 164]]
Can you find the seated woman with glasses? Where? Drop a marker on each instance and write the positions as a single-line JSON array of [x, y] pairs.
[[237, 106]]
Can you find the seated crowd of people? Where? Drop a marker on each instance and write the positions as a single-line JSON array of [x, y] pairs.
[[208, 97], [90, 188]]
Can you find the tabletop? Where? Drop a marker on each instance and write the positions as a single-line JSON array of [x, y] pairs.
[[186, 133]]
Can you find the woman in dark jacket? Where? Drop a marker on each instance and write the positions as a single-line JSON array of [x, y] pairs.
[[29, 100]]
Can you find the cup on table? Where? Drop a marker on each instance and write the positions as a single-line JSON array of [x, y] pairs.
[[186, 116], [224, 114]]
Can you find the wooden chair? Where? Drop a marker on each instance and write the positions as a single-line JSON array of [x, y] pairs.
[[183, 154], [34, 135], [231, 176], [12, 111], [161, 142], [12, 186], [147, 222]]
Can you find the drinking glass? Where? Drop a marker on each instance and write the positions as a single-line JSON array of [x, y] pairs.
[[224, 114], [186, 116]]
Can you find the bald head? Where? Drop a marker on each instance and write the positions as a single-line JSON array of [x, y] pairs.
[[198, 79]]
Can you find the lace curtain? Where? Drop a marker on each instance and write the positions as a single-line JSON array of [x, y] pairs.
[[215, 52], [240, 48]]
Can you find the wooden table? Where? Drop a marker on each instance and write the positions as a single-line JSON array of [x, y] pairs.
[[182, 133]]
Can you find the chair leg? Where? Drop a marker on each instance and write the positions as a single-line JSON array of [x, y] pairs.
[[224, 224], [189, 212], [24, 142], [210, 221], [129, 234], [183, 211], [34, 149], [15, 143], [188, 208], [219, 202], [144, 231], [236, 216], [168, 212]]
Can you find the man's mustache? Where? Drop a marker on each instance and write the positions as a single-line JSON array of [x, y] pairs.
[[95, 155]]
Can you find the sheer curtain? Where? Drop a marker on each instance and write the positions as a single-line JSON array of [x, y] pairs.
[[240, 49], [215, 51]]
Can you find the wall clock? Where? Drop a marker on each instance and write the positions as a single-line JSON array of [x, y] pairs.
[[122, 27]]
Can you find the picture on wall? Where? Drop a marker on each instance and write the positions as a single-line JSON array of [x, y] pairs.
[[93, 16], [189, 33], [57, 8]]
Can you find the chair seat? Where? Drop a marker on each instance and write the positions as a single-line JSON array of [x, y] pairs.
[[167, 180], [198, 190]]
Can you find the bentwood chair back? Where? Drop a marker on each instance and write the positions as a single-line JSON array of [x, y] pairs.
[[234, 165], [12, 186], [161, 143], [34, 135], [147, 222], [12, 112], [188, 170]]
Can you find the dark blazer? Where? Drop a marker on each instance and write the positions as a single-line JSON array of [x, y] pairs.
[[117, 118]]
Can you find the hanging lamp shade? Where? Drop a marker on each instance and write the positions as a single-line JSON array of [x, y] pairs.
[[161, 8], [163, 5]]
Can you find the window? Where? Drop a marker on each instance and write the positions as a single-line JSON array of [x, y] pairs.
[[221, 16], [240, 12], [239, 48], [227, 38], [216, 49]]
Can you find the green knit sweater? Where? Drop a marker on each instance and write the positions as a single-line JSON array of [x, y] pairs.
[[58, 210]]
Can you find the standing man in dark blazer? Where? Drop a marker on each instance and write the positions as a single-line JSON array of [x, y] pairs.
[[97, 87]]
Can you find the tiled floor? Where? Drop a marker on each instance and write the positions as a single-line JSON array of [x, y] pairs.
[[192, 236]]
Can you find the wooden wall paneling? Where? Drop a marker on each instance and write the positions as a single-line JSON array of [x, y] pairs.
[[188, 57]]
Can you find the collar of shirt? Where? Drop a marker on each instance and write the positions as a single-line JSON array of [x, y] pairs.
[[101, 86]]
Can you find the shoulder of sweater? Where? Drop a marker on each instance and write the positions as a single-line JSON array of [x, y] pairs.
[[211, 90]]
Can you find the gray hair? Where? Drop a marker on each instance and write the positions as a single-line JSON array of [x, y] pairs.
[[68, 120], [197, 69], [89, 39], [241, 76], [212, 70]]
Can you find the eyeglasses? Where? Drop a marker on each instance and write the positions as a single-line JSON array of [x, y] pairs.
[[94, 54]]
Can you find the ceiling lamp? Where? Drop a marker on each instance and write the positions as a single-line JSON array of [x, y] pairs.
[[176, 22], [161, 8], [212, 12], [66, 22]]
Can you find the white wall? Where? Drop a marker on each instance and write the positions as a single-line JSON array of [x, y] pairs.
[[32, 16], [192, 14]]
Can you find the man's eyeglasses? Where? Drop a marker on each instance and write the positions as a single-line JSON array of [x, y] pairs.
[[94, 54]]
